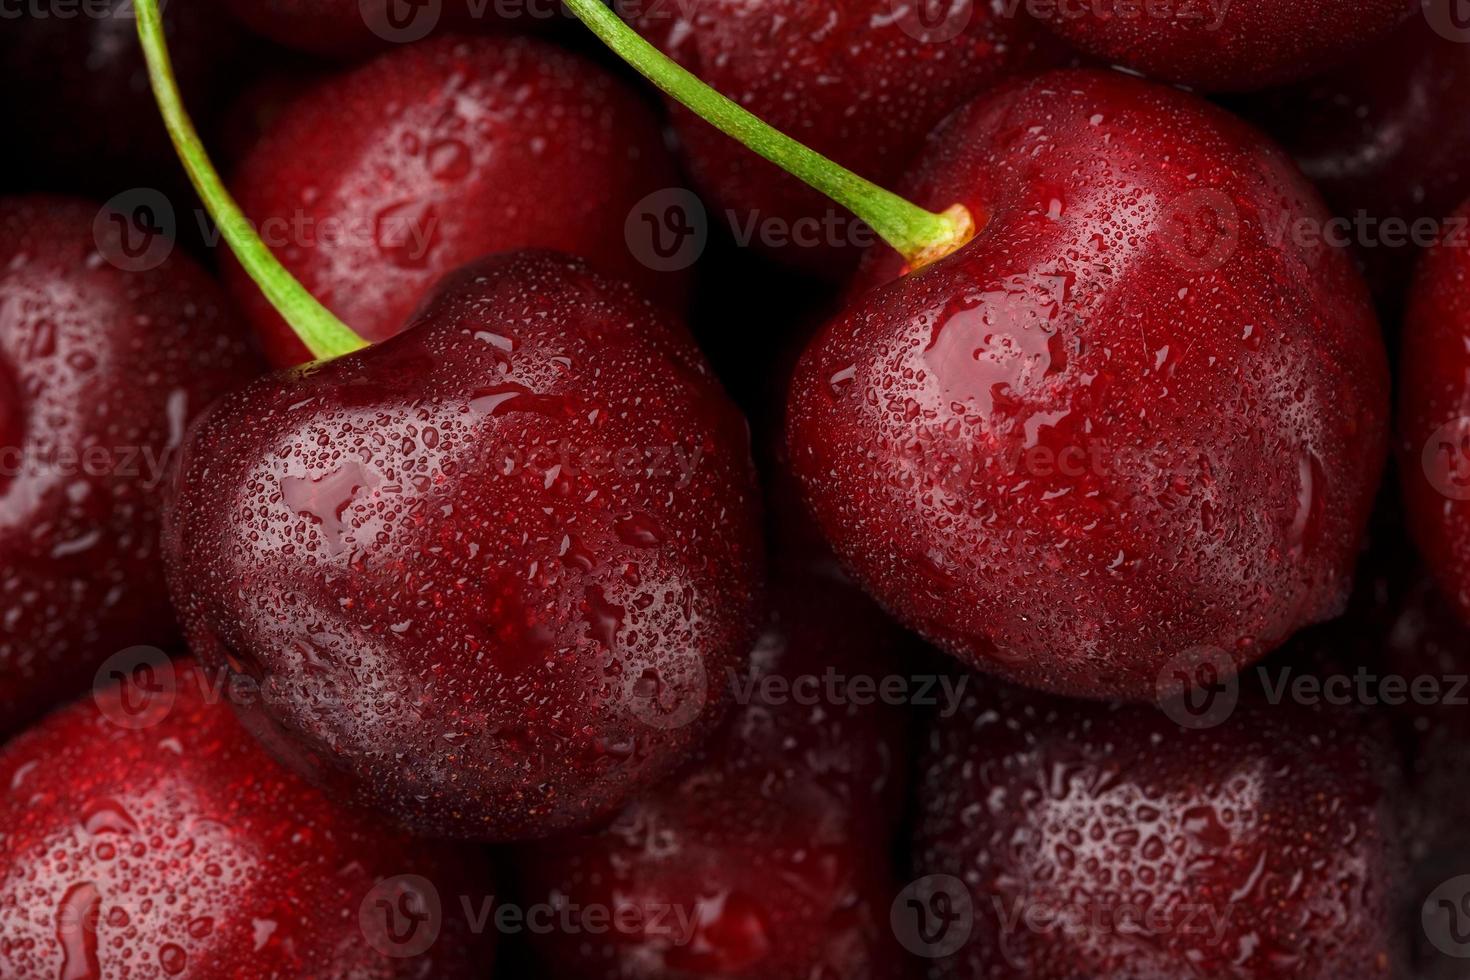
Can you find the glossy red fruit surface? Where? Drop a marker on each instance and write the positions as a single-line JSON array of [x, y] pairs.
[[1107, 841], [862, 81], [1434, 417], [1387, 139], [768, 858], [74, 92], [103, 364], [493, 566], [1127, 422], [375, 184], [1225, 45], [166, 843]]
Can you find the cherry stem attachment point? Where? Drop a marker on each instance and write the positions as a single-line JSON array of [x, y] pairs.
[[319, 329], [920, 236]]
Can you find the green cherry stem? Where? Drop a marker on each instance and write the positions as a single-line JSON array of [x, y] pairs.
[[920, 236], [319, 329]]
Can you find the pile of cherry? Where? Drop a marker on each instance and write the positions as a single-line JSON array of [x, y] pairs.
[[480, 651]]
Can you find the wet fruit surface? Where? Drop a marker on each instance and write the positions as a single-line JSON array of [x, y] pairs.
[[1105, 841], [133, 851], [376, 183], [767, 858], [1133, 420], [862, 81], [101, 369], [493, 565], [1228, 46], [1434, 418]]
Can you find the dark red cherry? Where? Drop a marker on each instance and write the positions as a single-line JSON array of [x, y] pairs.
[[768, 858], [1127, 422], [74, 92], [376, 183], [1434, 417], [1061, 840], [143, 833], [109, 347], [862, 81], [1386, 138], [494, 567], [1224, 45]]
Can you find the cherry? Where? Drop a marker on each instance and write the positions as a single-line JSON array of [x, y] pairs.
[[74, 92], [166, 843], [1107, 841], [379, 181], [863, 81], [499, 553], [765, 858], [1101, 435], [109, 346], [485, 568], [1434, 417], [1104, 411], [1230, 45], [1385, 137]]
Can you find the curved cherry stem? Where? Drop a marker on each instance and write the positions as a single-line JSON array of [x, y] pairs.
[[319, 329], [920, 236]]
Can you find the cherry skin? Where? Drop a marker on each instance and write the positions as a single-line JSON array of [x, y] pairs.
[[101, 371], [1388, 135], [166, 843], [1237, 45], [491, 565], [74, 93], [766, 858], [376, 183], [850, 80], [1107, 841], [1434, 418], [1125, 423]]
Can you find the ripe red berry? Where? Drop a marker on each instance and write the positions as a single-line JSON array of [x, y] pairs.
[[111, 343], [493, 566], [167, 843], [377, 182], [1133, 420]]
